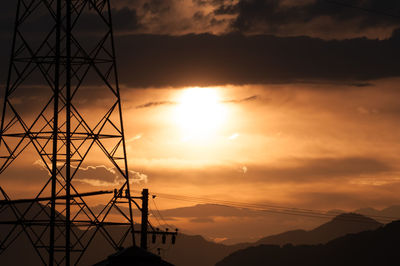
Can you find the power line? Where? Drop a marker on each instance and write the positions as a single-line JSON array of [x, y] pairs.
[[154, 214], [267, 208], [159, 213]]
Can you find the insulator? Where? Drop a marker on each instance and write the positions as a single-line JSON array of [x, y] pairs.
[[164, 238], [153, 238]]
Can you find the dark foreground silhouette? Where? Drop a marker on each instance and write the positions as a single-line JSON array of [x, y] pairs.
[[192, 250], [133, 256], [378, 247]]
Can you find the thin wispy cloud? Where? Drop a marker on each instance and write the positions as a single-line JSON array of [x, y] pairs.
[[234, 136], [247, 99], [136, 137], [161, 103], [154, 104]]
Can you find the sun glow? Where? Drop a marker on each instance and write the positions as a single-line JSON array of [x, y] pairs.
[[200, 113]]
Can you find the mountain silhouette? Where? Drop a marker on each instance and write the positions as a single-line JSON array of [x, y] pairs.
[[375, 247], [258, 223], [391, 211], [197, 251], [339, 226], [192, 250]]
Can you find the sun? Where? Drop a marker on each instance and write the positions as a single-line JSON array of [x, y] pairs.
[[200, 113]]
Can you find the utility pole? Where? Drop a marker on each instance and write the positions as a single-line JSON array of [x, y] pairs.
[[145, 218], [144, 232]]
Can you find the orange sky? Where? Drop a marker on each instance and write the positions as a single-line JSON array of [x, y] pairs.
[[315, 146], [327, 137], [274, 143]]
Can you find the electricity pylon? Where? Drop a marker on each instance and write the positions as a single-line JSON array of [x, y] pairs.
[[63, 54]]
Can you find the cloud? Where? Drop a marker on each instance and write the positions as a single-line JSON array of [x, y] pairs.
[[147, 60], [210, 60], [364, 111], [160, 103], [202, 220], [137, 177], [234, 136], [154, 104], [101, 175], [98, 176], [247, 99], [319, 18], [345, 198], [361, 84], [175, 17], [287, 171], [137, 137], [200, 211], [244, 169], [320, 169]]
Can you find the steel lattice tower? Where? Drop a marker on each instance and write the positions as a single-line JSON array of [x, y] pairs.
[[72, 50]]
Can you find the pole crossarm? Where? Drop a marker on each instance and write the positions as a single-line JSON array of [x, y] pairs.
[[94, 193]]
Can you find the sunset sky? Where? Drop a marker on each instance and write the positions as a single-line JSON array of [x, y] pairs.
[[285, 102]]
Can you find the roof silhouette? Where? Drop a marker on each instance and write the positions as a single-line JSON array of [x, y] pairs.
[[133, 256]]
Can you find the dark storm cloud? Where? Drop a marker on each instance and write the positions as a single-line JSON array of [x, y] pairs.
[[281, 17], [124, 19], [200, 2], [271, 15], [7, 14], [157, 6], [207, 60], [202, 60]]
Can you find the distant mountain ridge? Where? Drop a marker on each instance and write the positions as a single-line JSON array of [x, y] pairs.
[[367, 248], [190, 250], [197, 251], [341, 225], [208, 214], [258, 224], [379, 215]]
